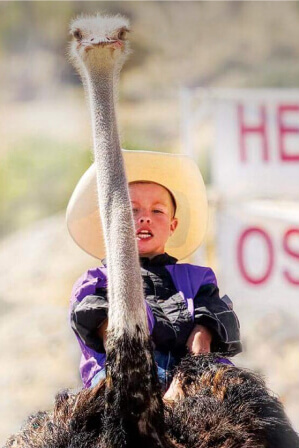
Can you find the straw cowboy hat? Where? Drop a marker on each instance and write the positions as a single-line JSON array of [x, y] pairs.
[[178, 173]]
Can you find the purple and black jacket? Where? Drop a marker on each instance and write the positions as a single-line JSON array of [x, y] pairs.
[[177, 296]]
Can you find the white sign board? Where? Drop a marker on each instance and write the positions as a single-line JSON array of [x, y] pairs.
[[258, 249], [257, 144]]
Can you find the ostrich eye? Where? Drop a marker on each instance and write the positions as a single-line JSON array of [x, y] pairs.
[[77, 34], [122, 34]]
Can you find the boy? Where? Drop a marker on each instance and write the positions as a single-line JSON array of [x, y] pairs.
[[170, 212]]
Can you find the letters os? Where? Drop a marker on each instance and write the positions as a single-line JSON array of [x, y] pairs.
[[289, 238]]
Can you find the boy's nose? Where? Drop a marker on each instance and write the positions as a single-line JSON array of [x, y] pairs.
[[144, 219]]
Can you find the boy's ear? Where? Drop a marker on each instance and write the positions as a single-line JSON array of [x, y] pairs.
[[173, 225]]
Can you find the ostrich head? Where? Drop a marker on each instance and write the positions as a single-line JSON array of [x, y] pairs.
[[99, 43]]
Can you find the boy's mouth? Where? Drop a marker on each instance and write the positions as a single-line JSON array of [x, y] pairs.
[[144, 234]]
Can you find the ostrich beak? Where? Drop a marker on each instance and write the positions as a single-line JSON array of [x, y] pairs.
[[115, 43], [111, 43]]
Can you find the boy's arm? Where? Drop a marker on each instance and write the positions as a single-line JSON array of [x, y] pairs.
[[211, 312], [88, 318]]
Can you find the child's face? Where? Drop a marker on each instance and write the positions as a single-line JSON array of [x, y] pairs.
[[153, 216]]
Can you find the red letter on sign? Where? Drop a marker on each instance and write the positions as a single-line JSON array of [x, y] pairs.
[[245, 130], [240, 254], [285, 130], [292, 253]]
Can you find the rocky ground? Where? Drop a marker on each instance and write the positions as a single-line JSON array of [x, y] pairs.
[[39, 354]]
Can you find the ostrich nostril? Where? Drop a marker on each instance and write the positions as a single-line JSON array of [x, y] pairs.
[[91, 39]]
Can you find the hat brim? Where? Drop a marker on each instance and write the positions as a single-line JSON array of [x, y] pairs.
[[178, 173]]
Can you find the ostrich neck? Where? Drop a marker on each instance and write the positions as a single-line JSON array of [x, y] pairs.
[[125, 289]]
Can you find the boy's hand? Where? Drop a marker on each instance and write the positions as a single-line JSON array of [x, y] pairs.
[[199, 340], [174, 392]]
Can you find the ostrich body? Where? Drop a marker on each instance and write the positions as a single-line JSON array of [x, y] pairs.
[[98, 52], [221, 406]]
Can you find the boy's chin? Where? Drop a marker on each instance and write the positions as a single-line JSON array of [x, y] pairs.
[[148, 248]]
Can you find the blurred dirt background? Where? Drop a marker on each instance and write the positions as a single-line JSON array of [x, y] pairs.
[[45, 147]]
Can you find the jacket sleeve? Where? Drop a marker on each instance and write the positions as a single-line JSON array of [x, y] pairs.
[[214, 313], [87, 316]]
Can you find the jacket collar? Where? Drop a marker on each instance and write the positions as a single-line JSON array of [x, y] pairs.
[[158, 260]]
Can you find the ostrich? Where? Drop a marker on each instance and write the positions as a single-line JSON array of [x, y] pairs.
[[98, 51], [219, 405]]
